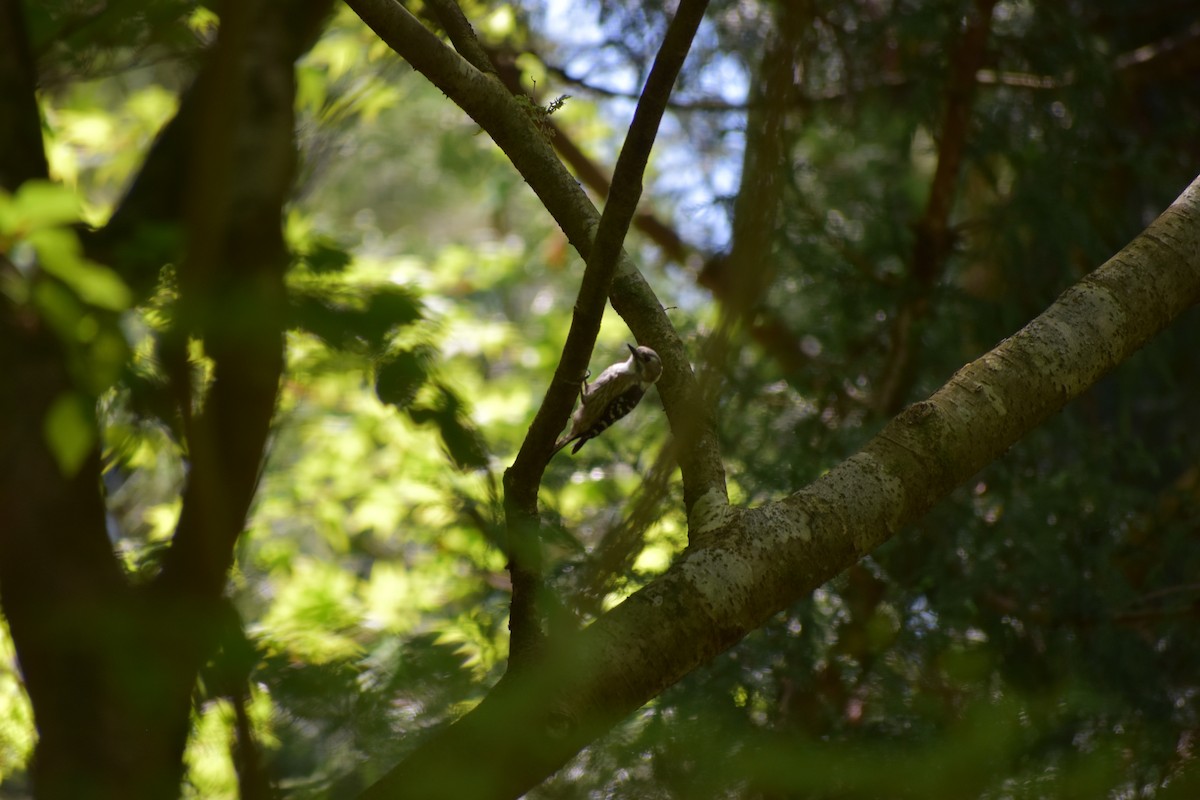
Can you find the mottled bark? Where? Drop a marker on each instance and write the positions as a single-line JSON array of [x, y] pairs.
[[748, 565]]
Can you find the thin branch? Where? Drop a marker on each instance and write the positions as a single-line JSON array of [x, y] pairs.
[[588, 171], [682, 106], [604, 257], [508, 122], [1174, 56], [767, 330], [521, 481], [773, 555], [461, 34]]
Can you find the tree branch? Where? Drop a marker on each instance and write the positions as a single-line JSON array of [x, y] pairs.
[[933, 240], [231, 283], [769, 557], [60, 583], [768, 331], [521, 481], [21, 155], [484, 98], [461, 34], [746, 272]]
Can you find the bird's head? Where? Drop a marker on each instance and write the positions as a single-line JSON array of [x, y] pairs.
[[646, 362]]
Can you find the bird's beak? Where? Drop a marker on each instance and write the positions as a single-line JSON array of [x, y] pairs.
[[632, 349]]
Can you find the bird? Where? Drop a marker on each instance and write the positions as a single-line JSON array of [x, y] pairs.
[[611, 396]]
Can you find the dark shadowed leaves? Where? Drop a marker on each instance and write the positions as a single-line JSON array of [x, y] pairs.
[[401, 375], [463, 441], [352, 318]]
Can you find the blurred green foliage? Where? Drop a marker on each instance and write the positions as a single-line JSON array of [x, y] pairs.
[[1034, 637]]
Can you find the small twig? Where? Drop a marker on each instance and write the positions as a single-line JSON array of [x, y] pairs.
[[722, 106]]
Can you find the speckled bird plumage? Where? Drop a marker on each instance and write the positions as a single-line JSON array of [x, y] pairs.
[[617, 390]]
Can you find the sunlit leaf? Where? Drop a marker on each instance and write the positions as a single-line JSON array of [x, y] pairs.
[[70, 431], [36, 205], [16, 715], [61, 255]]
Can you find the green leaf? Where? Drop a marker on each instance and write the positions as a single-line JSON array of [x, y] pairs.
[[464, 443], [61, 255], [401, 376], [37, 205], [70, 431], [325, 256]]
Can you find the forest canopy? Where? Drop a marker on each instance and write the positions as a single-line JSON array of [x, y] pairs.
[[297, 295]]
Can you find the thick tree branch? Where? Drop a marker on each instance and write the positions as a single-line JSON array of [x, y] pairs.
[[146, 229], [508, 122], [21, 155], [60, 583], [231, 284], [766, 558]]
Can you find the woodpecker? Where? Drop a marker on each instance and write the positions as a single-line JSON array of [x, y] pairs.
[[611, 396]]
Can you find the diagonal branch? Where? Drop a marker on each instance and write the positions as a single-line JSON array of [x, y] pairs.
[[768, 330], [485, 99], [521, 481], [771, 556], [590, 173], [605, 253], [461, 34]]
